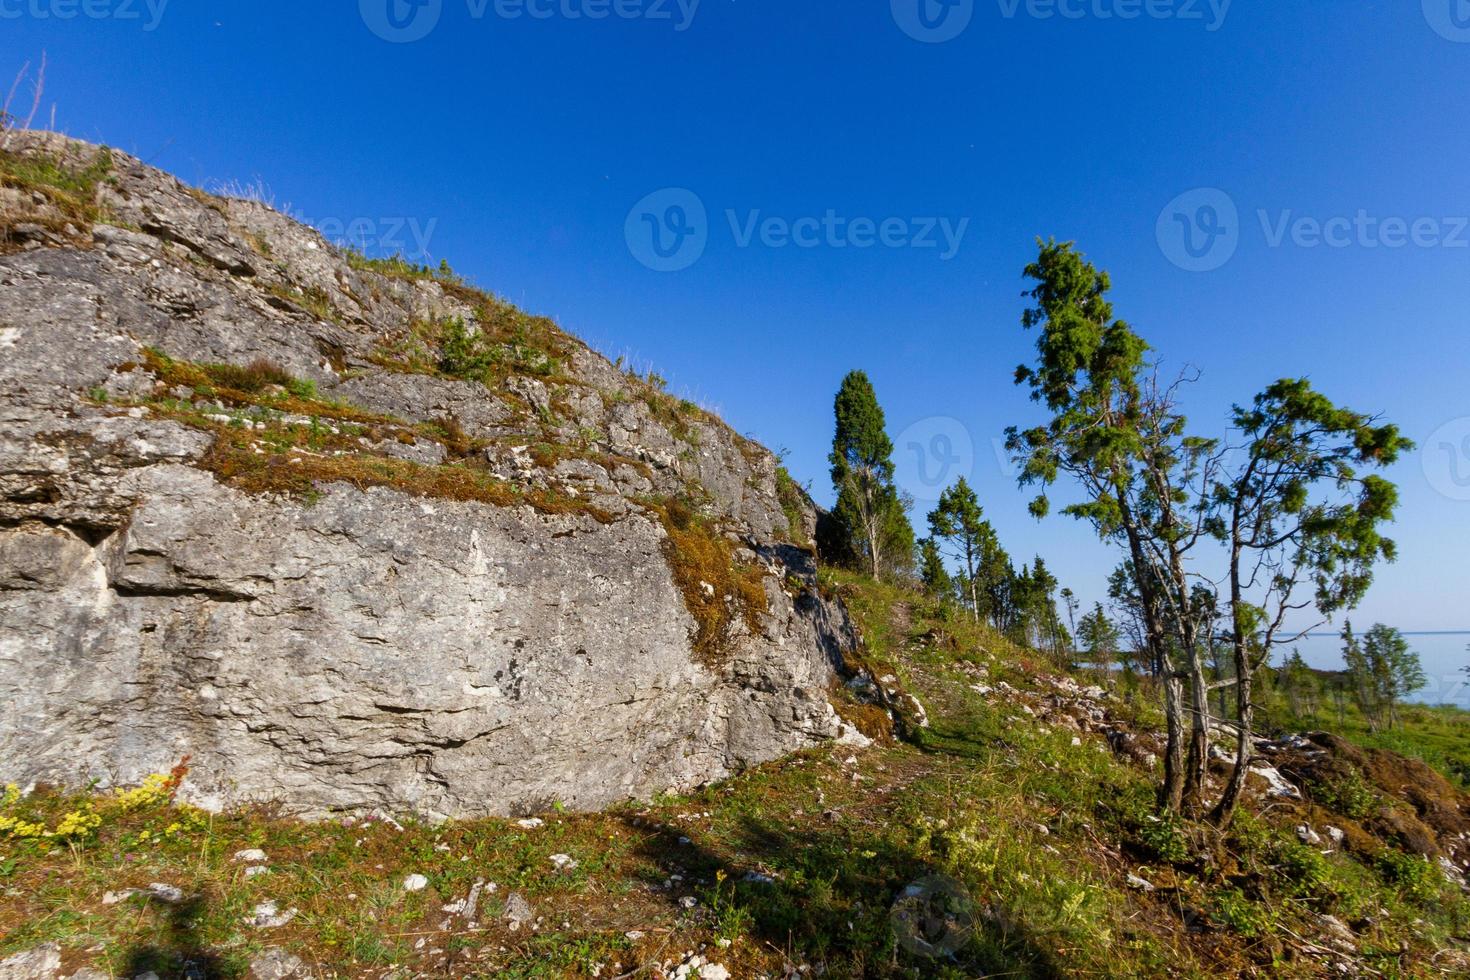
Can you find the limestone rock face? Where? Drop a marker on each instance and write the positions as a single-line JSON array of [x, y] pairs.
[[295, 589]]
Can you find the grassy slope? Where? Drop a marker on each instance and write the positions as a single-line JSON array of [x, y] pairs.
[[1039, 833]]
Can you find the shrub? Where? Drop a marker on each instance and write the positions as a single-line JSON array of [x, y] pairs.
[[1413, 876], [1301, 871], [1349, 795], [715, 587], [1235, 910]]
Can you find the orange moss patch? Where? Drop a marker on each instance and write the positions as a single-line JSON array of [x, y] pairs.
[[233, 459], [716, 588]]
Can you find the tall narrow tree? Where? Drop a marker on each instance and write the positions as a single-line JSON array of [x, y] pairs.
[[1091, 375], [957, 525], [869, 508]]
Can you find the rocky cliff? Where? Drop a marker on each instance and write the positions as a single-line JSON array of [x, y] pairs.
[[352, 534]]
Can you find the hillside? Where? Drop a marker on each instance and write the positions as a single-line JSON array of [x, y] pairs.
[[355, 623], [1012, 835]]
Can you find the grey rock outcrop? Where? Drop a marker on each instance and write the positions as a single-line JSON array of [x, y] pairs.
[[373, 641]]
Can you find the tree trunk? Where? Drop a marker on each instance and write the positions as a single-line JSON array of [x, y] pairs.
[[1199, 734], [1171, 793], [1225, 809]]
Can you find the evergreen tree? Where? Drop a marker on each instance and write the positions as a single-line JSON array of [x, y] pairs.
[[1397, 670], [933, 574], [870, 512], [958, 526], [1099, 637], [1383, 671], [1299, 683]]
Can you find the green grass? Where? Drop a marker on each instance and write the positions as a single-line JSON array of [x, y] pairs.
[[71, 190]]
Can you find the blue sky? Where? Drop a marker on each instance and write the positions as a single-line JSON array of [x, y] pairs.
[[518, 146]]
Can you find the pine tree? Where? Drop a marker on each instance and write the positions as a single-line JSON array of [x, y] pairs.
[[933, 574], [1099, 637], [958, 525], [870, 511]]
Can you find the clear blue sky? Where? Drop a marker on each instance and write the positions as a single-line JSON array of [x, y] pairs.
[[526, 142]]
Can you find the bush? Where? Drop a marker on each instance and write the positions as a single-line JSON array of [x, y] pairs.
[[1412, 875], [1302, 872], [1349, 795], [1235, 910]]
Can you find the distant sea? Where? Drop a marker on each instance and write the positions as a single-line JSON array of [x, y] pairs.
[[1444, 656]]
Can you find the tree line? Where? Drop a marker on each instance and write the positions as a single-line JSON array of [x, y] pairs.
[[960, 561]]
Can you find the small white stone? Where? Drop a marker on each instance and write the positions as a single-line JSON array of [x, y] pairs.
[[415, 883], [252, 856], [564, 862], [531, 823]]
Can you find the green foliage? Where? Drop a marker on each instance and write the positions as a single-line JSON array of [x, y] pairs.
[[397, 267], [1164, 838], [874, 528], [1349, 795], [1383, 671], [957, 527], [71, 190], [1301, 871], [1235, 910], [1099, 636], [932, 572], [1413, 876], [793, 505]]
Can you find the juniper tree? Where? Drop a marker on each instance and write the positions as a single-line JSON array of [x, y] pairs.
[[932, 573], [1099, 637], [1116, 434], [1299, 510]]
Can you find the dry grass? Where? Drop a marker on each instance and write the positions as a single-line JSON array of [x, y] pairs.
[[296, 458]]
